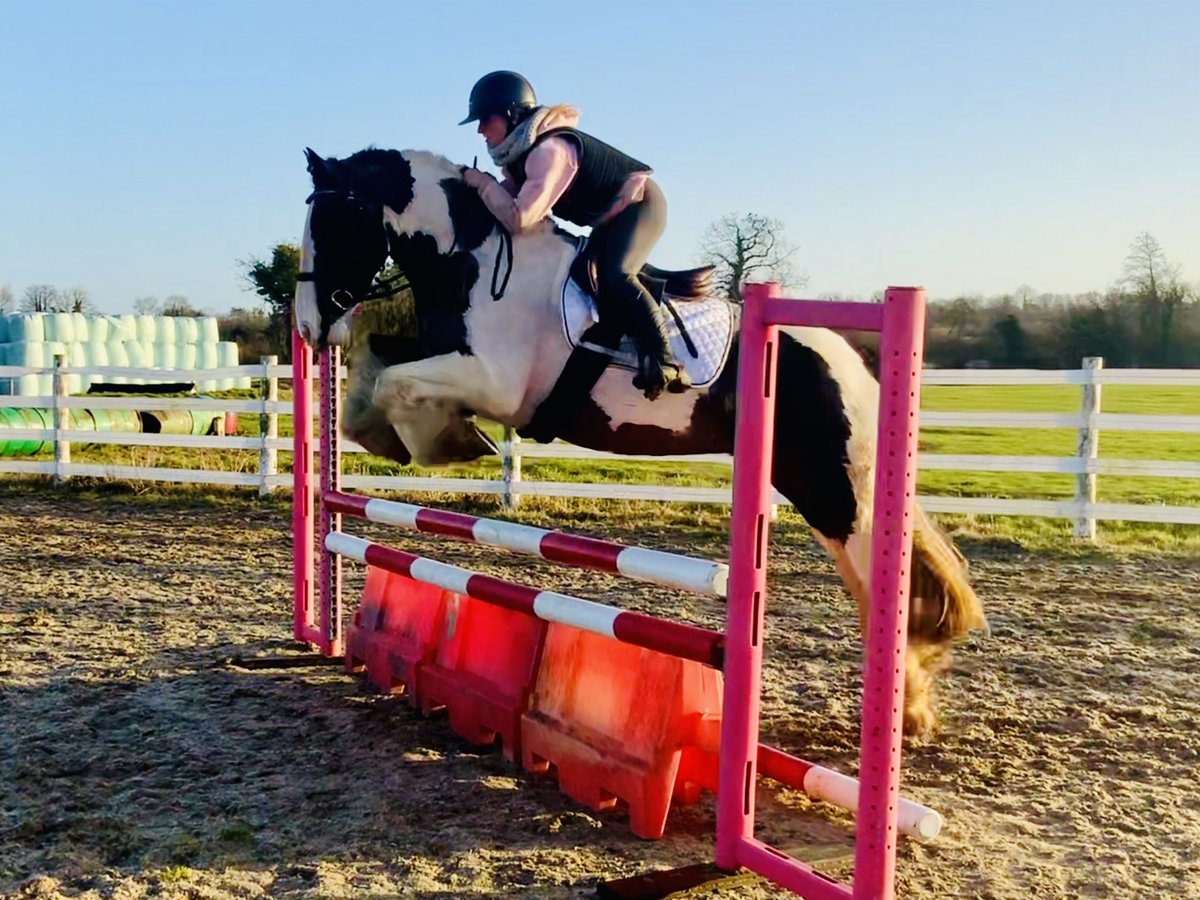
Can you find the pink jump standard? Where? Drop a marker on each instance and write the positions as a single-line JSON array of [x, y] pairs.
[[901, 320], [881, 813]]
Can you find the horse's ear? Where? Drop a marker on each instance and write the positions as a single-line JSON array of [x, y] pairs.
[[322, 170]]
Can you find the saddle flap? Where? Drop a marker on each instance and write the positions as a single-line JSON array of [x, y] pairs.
[[700, 332]]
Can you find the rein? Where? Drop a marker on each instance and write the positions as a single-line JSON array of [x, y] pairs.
[[506, 243]]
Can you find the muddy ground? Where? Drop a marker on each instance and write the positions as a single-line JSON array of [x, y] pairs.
[[134, 762]]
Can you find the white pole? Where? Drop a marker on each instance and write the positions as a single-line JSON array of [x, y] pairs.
[[1088, 449], [62, 420], [511, 462], [268, 427]]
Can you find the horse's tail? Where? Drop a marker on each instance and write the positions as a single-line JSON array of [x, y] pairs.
[[942, 606]]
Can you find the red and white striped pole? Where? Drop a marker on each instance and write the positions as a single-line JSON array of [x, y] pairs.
[[668, 569], [915, 820]]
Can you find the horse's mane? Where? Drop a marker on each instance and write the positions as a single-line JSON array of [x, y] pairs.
[[377, 164], [378, 159]]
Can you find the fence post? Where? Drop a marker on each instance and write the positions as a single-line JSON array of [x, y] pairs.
[[511, 461], [268, 428], [1088, 448], [62, 420]]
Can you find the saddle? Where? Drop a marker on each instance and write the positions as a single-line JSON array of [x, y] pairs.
[[682, 285]]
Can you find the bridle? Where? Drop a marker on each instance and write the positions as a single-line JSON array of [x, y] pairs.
[[347, 301]]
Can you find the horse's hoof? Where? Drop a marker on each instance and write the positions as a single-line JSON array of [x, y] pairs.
[[919, 722]]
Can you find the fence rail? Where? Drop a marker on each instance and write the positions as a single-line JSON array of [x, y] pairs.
[[1085, 465]]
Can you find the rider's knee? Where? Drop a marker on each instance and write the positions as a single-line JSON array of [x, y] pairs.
[[614, 278]]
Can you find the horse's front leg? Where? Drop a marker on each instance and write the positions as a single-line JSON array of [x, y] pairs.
[[430, 404]]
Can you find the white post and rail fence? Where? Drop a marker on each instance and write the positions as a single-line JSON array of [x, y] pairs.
[[1083, 508]]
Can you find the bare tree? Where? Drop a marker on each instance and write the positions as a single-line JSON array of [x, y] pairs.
[[1158, 291], [147, 306], [1147, 270], [179, 305], [748, 247], [76, 299], [41, 298], [7, 301]]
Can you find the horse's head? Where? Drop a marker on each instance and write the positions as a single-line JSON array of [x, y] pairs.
[[414, 202], [343, 247]]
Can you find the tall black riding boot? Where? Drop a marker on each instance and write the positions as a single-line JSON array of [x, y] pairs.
[[657, 368]]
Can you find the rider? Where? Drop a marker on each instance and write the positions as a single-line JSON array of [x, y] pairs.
[[551, 166]]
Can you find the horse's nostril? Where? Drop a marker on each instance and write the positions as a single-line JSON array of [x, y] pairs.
[[305, 333]]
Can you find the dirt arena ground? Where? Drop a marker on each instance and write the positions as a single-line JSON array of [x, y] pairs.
[[135, 763]]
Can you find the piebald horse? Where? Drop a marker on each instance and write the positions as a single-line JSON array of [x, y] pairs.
[[490, 341]]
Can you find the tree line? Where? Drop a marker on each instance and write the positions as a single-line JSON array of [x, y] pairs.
[[1149, 318]]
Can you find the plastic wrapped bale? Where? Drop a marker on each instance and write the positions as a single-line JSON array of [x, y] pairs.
[[127, 327], [98, 329], [169, 421], [206, 358], [118, 359], [97, 357], [123, 420], [23, 418], [26, 328], [185, 358], [81, 326], [60, 326], [6, 386], [31, 354], [227, 357], [77, 359], [164, 327], [137, 359], [3, 331], [187, 330], [164, 356], [209, 331], [147, 329]]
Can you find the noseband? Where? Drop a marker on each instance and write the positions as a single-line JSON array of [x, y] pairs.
[[341, 298]]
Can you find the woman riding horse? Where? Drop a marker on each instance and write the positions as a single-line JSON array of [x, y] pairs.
[[549, 165]]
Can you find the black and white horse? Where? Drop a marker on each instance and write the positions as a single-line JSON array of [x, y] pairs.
[[491, 341]]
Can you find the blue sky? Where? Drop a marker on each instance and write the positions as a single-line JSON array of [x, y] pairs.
[[967, 146]]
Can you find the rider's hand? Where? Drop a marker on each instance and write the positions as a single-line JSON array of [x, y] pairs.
[[477, 179]]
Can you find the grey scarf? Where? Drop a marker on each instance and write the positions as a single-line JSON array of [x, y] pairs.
[[521, 139]]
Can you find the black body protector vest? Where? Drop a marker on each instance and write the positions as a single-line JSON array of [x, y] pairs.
[[603, 169]]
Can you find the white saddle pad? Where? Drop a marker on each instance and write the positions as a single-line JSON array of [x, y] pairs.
[[708, 322]]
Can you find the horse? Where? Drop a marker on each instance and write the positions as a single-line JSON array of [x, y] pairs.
[[491, 342]]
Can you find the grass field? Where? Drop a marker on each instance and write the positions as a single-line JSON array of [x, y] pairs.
[[1021, 442]]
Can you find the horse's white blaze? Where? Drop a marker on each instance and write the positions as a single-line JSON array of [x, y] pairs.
[[308, 317], [429, 210]]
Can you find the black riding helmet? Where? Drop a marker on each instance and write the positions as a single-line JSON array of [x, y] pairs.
[[499, 94]]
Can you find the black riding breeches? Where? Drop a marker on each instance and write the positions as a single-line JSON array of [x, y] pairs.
[[622, 245]]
